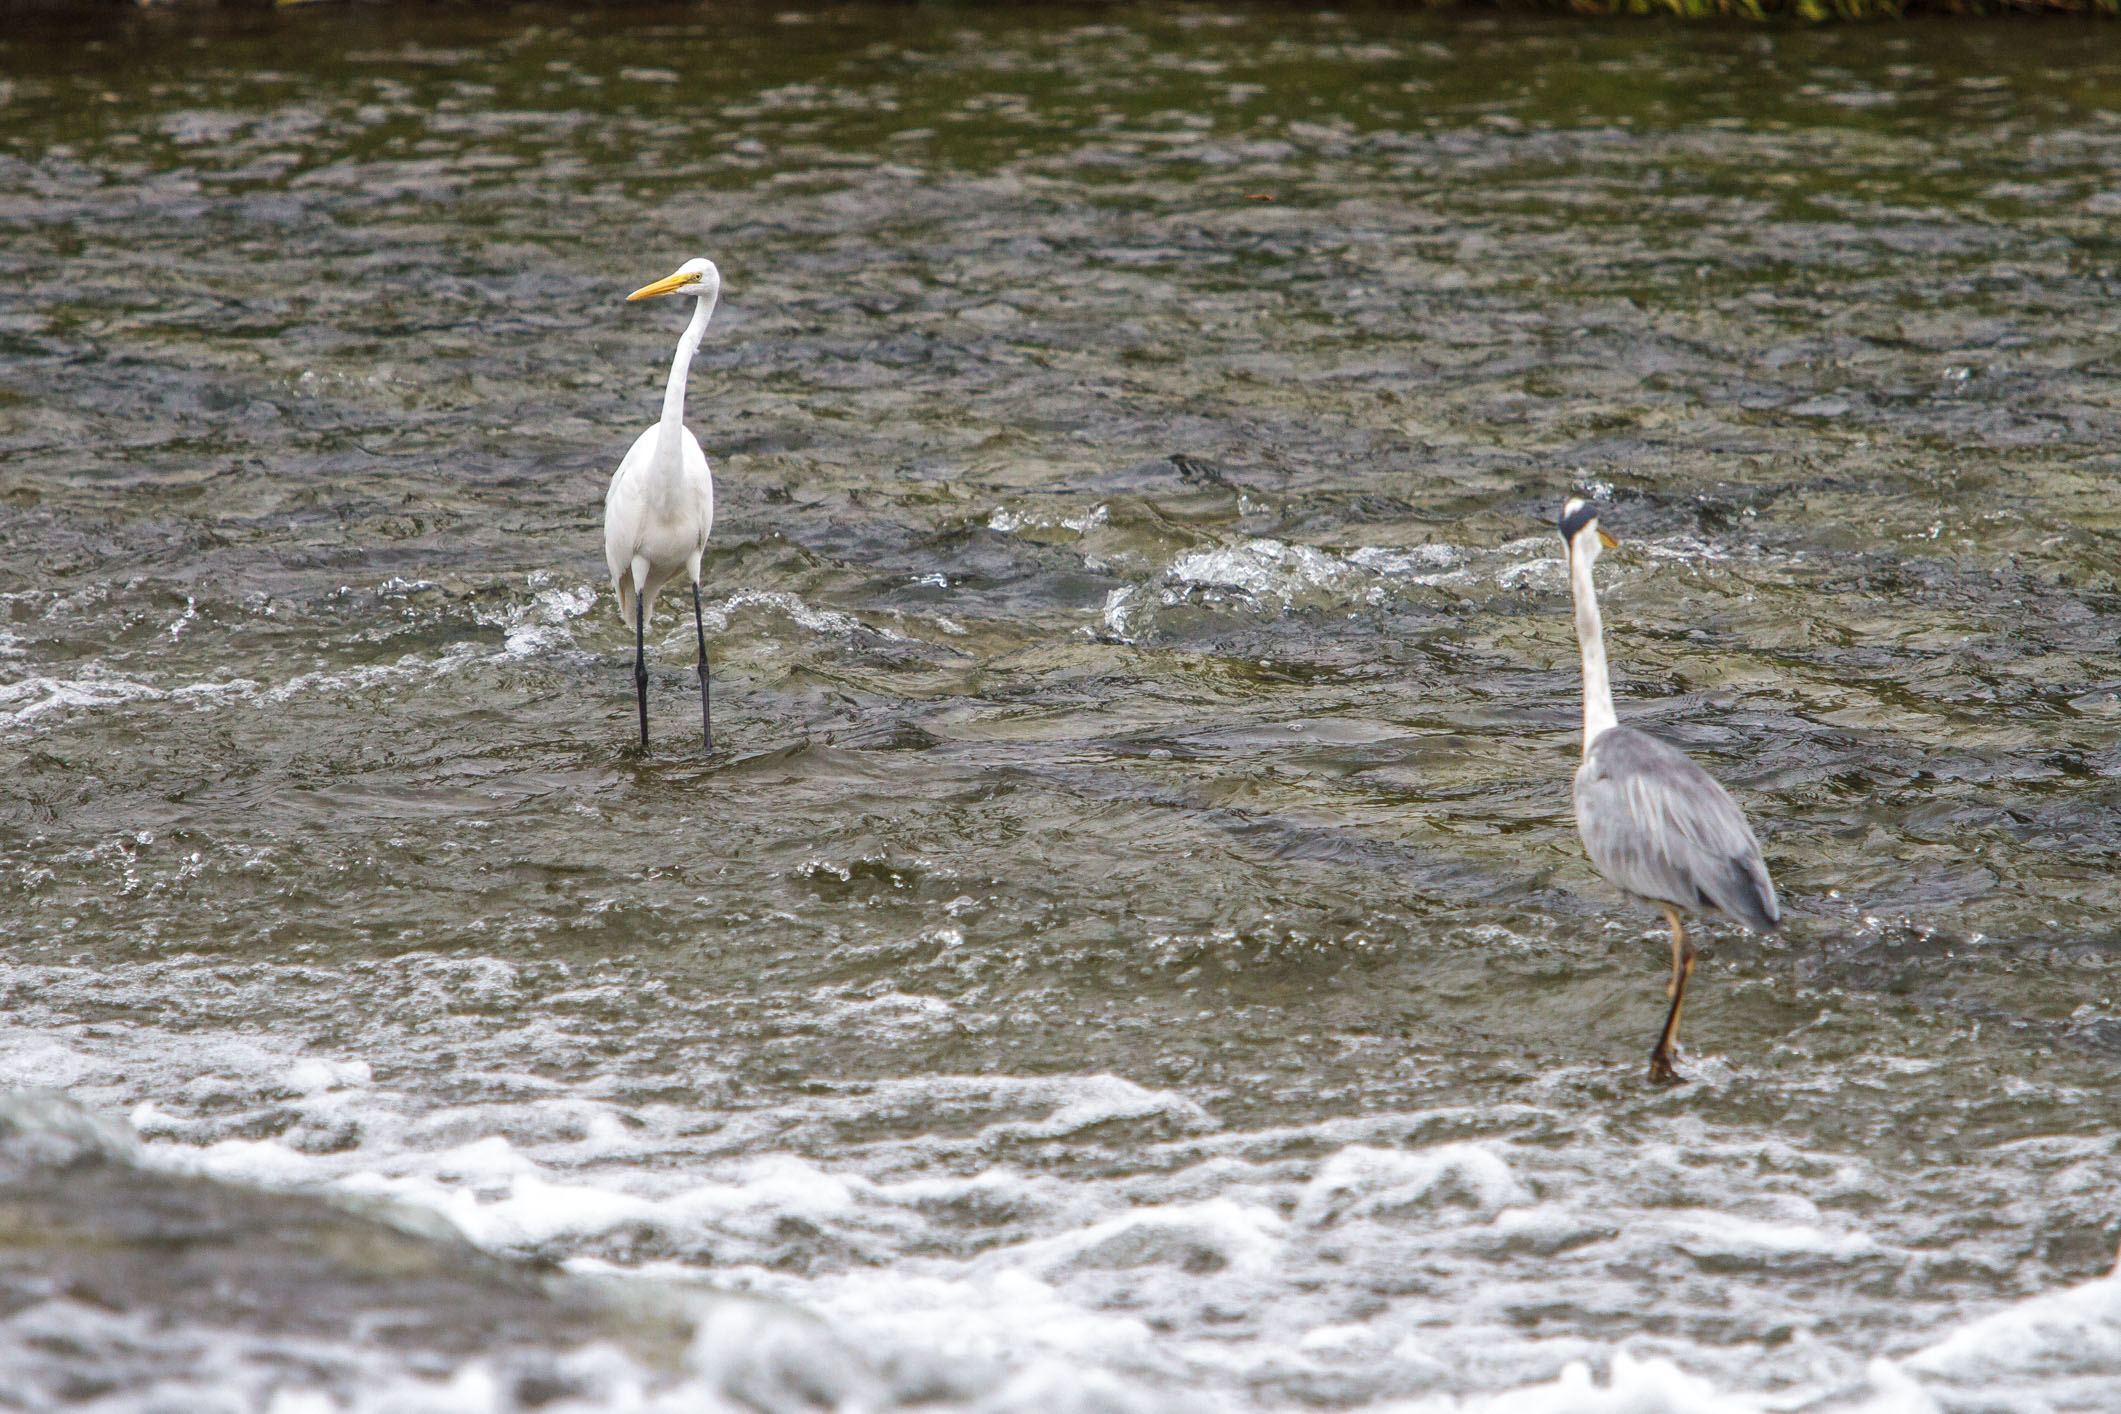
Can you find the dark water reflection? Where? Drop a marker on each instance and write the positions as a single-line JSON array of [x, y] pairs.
[[1142, 655]]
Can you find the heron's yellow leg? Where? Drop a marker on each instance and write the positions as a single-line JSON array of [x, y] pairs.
[[1661, 1069]]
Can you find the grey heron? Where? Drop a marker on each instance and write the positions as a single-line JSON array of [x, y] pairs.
[[1652, 821], [660, 507]]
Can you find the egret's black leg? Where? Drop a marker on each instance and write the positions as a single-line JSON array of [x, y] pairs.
[[640, 659], [699, 626], [1662, 1071]]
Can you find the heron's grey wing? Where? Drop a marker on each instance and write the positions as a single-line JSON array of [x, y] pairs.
[[1659, 826]]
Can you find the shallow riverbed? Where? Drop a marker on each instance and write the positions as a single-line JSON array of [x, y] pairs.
[[1131, 951]]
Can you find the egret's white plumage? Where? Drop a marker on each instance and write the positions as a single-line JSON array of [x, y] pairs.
[[660, 508], [1652, 821]]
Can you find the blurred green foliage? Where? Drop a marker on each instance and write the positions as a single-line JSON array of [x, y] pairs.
[[1821, 10]]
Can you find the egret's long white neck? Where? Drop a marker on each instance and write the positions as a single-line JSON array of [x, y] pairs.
[[681, 367], [1590, 637]]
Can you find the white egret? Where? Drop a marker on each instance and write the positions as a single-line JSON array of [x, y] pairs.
[[660, 507], [1652, 821]]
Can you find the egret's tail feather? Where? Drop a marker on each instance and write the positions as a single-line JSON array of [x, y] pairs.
[[624, 585]]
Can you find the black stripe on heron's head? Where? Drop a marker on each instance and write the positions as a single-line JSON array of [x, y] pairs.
[[1575, 516]]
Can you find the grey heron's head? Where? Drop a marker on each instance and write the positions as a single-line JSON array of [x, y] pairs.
[[697, 278], [1580, 532]]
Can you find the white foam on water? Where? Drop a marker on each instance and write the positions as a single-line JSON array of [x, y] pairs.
[[1440, 564], [34, 1061], [1283, 577], [1113, 618], [1723, 1235], [408, 666], [1218, 1234], [882, 1012], [1683, 549], [1008, 521], [97, 687], [2060, 1349], [175, 627], [1633, 1387], [746, 1358], [1267, 570], [824, 622], [1544, 572], [1217, 1270], [1433, 563], [1036, 1300], [539, 628], [1362, 1182]]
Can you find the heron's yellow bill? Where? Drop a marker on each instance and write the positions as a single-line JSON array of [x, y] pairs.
[[665, 285], [1610, 542]]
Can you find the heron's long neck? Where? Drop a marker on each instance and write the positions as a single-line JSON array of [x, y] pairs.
[[1590, 636], [680, 366]]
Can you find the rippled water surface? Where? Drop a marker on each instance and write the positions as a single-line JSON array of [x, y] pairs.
[[1131, 949]]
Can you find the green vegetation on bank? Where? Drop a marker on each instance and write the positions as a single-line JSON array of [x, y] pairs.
[[1812, 10], [1820, 10], [1802, 10]]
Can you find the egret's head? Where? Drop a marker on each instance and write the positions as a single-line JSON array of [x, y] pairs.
[[1580, 532], [697, 278]]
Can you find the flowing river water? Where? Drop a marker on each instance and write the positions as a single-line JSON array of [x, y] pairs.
[[1130, 951]]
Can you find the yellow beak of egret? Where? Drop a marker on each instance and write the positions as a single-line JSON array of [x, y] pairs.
[[1610, 542], [665, 285]]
